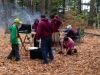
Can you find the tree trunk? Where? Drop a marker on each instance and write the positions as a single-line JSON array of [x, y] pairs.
[[57, 6], [63, 7], [79, 6], [42, 6], [34, 10], [91, 8], [30, 4], [49, 7], [91, 14], [6, 15]]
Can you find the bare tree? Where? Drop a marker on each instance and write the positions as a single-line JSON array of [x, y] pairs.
[[57, 6], [34, 10], [63, 6], [91, 14], [42, 6], [92, 7], [6, 15], [49, 7], [79, 6]]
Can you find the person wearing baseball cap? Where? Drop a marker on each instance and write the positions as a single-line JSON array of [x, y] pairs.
[[70, 32], [17, 20], [14, 35]]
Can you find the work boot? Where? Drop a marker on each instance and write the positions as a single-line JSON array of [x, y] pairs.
[[9, 58], [17, 59]]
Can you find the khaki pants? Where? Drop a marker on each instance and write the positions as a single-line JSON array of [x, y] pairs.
[[55, 37]]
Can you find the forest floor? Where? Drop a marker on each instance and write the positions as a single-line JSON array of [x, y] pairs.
[[85, 62]]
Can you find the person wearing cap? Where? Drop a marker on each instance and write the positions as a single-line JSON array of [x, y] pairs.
[[14, 35], [68, 28], [70, 32]]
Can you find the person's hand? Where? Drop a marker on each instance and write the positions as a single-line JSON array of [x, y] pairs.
[[19, 43], [59, 30]]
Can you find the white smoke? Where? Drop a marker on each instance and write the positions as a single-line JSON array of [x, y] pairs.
[[24, 14]]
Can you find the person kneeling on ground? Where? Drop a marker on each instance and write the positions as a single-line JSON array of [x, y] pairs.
[[67, 43]]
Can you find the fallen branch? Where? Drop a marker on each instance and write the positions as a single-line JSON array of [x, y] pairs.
[[92, 34]]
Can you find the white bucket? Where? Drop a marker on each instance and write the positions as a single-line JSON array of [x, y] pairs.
[[32, 48]]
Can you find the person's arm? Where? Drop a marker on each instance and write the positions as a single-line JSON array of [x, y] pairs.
[[67, 49], [39, 31], [14, 33], [61, 26], [33, 26], [60, 23]]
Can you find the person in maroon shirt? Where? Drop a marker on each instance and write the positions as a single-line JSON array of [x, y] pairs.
[[34, 26], [71, 32], [56, 25], [44, 32]]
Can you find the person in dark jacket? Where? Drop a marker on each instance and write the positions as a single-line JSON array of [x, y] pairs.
[[14, 35], [44, 32], [34, 26], [70, 32]]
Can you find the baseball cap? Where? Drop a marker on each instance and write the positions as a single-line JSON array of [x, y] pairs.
[[17, 20], [69, 27]]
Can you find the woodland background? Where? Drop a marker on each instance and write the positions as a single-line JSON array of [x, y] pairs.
[[85, 62]]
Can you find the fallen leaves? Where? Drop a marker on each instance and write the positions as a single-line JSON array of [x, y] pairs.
[[85, 62]]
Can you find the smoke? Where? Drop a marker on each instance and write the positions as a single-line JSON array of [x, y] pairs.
[[1, 14], [24, 14]]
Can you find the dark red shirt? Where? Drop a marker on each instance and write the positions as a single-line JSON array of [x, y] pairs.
[[34, 26], [71, 33], [44, 29], [56, 23]]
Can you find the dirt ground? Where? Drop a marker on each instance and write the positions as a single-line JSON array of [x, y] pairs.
[[85, 62]]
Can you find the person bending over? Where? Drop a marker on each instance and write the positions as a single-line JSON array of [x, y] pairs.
[[68, 44]]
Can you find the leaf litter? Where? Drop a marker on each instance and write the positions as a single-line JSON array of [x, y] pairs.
[[85, 62]]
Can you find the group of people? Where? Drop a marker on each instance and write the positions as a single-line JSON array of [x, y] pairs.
[[44, 30], [68, 41], [47, 31]]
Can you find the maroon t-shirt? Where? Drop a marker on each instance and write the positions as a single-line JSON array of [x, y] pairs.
[[56, 23]]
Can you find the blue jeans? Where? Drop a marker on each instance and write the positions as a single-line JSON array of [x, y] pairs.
[[46, 49], [65, 30]]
